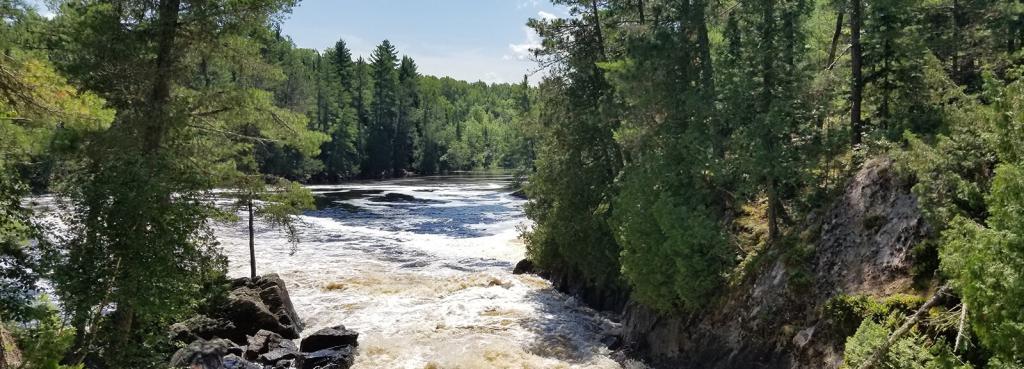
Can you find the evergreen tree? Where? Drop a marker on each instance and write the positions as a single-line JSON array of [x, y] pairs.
[[408, 123], [572, 190], [337, 112], [770, 47], [384, 112]]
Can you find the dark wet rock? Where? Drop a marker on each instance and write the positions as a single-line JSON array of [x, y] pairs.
[[330, 337], [524, 266], [336, 199], [203, 327], [266, 341], [612, 342], [519, 194], [233, 361], [396, 197], [279, 356], [206, 354], [288, 364], [330, 358], [250, 306], [261, 304]]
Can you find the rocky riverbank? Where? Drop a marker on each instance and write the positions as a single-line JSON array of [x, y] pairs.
[[780, 315], [256, 328]]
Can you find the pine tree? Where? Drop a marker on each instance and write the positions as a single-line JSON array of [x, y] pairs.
[[384, 112], [338, 110], [408, 122]]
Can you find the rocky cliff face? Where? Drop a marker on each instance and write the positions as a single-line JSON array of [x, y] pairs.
[[861, 246]]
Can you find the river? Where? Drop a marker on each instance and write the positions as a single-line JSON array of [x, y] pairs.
[[422, 269]]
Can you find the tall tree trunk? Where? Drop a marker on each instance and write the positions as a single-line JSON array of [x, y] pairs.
[[597, 28], [835, 39], [252, 243], [166, 59], [640, 8], [768, 56], [856, 59]]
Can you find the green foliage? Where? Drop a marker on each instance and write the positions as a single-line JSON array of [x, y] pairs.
[[910, 352], [985, 261], [570, 192], [986, 264], [45, 339], [846, 312], [40, 112]]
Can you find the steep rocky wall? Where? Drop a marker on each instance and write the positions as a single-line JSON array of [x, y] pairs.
[[863, 246], [604, 298]]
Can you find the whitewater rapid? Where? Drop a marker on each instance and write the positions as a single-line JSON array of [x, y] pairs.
[[422, 269]]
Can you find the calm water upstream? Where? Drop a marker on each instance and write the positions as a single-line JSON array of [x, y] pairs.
[[422, 269]]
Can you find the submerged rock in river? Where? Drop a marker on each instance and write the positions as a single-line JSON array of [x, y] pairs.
[[332, 358], [524, 266], [336, 336]]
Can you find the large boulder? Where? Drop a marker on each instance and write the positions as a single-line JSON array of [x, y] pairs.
[[337, 336], [524, 266], [331, 358], [266, 341], [252, 305], [233, 361], [205, 328], [202, 353], [260, 304]]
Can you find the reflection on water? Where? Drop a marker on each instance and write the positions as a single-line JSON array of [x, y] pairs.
[[422, 268]]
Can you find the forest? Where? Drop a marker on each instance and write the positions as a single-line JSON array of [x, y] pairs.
[[134, 112], [685, 144], [672, 150]]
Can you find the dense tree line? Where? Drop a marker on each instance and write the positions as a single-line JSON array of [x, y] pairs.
[[385, 119], [681, 141]]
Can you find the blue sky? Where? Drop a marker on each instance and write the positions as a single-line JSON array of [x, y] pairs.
[[465, 39], [473, 40]]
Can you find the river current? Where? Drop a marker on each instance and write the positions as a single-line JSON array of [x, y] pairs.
[[422, 269]]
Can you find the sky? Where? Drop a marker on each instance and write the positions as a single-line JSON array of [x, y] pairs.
[[473, 40]]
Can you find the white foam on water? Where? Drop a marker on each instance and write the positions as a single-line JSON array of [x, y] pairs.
[[427, 298]]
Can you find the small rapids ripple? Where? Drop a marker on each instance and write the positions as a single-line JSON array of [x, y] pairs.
[[422, 269]]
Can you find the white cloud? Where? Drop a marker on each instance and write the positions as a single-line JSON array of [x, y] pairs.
[[528, 4], [546, 16], [523, 50]]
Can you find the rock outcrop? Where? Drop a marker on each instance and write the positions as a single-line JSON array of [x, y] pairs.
[[331, 358], [326, 338], [254, 329], [775, 319], [524, 266], [252, 305], [262, 303]]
